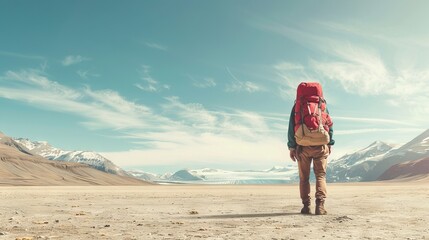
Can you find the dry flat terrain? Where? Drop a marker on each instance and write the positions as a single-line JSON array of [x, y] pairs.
[[356, 211]]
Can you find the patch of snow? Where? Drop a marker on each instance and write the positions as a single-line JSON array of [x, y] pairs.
[[220, 176]]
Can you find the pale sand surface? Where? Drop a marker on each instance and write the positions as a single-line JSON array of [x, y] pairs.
[[356, 211]]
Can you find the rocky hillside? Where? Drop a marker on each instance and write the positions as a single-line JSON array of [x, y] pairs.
[[416, 169], [370, 163], [92, 159], [18, 166]]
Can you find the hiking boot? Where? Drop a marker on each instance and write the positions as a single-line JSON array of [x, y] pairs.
[[320, 209], [306, 209]]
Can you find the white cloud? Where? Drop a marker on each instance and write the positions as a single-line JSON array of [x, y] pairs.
[[288, 66], [204, 83], [73, 59], [373, 120], [156, 46], [82, 74], [377, 130], [402, 87], [358, 67], [149, 84], [177, 133], [376, 33], [183, 133], [359, 70], [246, 86], [209, 150], [192, 113], [241, 86], [146, 88], [290, 75], [101, 109], [35, 80], [20, 55], [85, 74], [44, 66]]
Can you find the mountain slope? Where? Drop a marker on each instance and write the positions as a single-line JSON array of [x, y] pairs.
[[370, 163], [352, 167], [20, 167], [416, 169], [92, 159], [184, 175], [144, 175], [275, 175], [413, 150]]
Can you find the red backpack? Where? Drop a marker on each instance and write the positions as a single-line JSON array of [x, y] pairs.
[[312, 121]]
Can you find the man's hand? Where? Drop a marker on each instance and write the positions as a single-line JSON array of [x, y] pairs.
[[329, 148], [292, 154]]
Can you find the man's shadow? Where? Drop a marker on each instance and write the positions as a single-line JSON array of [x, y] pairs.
[[252, 215]]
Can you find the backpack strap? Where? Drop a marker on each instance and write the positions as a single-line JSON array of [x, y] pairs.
[[302, 116], [321, 100]]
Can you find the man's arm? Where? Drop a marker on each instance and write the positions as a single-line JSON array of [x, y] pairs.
[[291, 136], [331, 133], [291, 131]]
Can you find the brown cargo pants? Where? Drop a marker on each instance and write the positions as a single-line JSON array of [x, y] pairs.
[[319, 156]]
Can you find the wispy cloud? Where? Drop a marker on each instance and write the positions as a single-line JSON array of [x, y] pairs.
[[156, 46], [44, 66], [73, 59], [208, 150], [236, 122], [174, 133], [20, 55], [177, 130], [193, 113], [373, 120], [149, 84], [289, 76], [376, 34], [82, 74], [358, 70], [86, 74], [103, 108], [203, 83], [358, 67], [241, 86], [377, 130]]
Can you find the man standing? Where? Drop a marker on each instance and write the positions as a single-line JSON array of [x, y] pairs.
[[310, 140]]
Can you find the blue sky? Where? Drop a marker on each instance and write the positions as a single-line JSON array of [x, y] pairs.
[[164, 85]]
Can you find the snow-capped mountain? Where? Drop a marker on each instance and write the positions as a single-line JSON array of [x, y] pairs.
[[350, 167], [415, 149], [184, 175], [8, 141], [20, 167], [275, 175], [151, 177], [370, 163], [280, 169], [420, 144], [92, 159], [367, 164]]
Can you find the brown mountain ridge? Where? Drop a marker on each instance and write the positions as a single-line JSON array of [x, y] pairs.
[[411, 170], [19, 167]]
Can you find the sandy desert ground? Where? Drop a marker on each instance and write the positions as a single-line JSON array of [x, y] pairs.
[[356, 211]]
